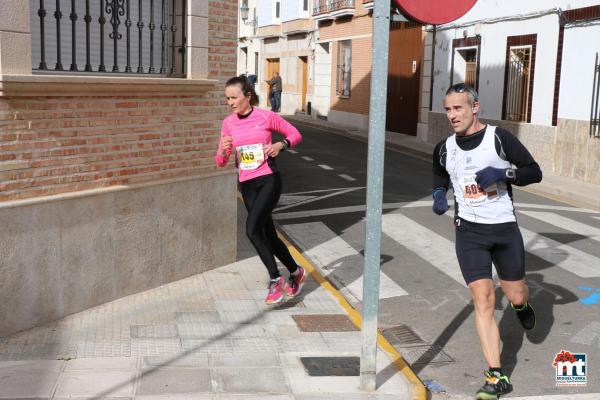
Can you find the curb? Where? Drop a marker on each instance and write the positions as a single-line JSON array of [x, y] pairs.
[[418, 390]]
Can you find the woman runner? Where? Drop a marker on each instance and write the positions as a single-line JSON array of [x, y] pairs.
[[247, 131]]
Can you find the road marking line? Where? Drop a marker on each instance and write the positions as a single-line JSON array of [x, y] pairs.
[[349, 209], [341, 191], [325, 167], [411, 204], [433, 248], [565, 223], [561, 255], [588, 334], [308, 158], [347, 177], [339, 261], [291, 151]]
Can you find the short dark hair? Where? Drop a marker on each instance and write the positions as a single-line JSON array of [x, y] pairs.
[[246, 86], [464, 88]]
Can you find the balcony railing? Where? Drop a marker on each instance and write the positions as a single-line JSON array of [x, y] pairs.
[[330, 9], [109, 36]]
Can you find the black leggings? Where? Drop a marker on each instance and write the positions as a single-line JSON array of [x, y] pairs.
[[260, 198]]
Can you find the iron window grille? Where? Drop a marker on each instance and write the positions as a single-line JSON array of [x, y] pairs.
[[344, 68], [109, 36], [595, 110]]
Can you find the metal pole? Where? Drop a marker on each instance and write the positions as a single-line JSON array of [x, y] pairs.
[[377, 113]]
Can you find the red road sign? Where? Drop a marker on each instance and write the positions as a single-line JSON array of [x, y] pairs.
[[435, 12]]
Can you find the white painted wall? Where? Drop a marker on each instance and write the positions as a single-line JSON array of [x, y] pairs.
[[490, 9], [245, 62], [577, 76], [266, 12], [322, 80], [526, 17], [493, 55]]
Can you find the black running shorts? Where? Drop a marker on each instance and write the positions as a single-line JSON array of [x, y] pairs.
[[478, 245]]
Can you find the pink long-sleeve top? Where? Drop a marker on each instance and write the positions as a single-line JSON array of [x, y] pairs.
[[251, 133]]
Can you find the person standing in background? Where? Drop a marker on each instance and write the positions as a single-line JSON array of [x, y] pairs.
[[275, 89]]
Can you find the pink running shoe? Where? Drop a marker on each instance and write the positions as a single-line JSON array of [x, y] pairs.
[[295, 282], [275, 294]]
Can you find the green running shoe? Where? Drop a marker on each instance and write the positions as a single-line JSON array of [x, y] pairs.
[[526, 315], [496, 384]]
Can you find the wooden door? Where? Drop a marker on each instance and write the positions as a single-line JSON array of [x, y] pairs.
[[272, 66], [404, 77], [304, 87]]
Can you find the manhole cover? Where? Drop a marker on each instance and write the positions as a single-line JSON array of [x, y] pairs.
[[401, 335], [418, 355], [294, 303], [331, 366], [324, 323]]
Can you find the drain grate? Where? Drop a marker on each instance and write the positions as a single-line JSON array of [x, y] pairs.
[[294, 303], [324, 323], [331, 366], [429, 355], [401, 335]]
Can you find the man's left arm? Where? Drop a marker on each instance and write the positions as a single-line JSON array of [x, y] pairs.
[[527, 170]]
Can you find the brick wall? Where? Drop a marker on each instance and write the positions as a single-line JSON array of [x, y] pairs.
[[361, 24], [51, 145], [360, 92], [222, 39]]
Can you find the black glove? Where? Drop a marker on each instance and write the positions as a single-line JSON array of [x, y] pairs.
[[490, 175], [440, 204]]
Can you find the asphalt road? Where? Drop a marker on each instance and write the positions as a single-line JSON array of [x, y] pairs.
[[425, 308]]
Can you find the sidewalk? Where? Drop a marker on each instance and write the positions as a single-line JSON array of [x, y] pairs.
[[209, 336], [559, 188]]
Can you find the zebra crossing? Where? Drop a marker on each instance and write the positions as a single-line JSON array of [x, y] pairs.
[[330, 252], [343, 264]]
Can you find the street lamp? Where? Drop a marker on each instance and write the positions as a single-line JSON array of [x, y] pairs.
[[244, 9]]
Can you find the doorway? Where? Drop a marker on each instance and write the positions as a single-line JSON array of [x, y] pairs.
[[304, 87], [404, 77], [272, 67]]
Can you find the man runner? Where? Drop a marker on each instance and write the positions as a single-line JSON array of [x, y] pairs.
[[477, 162]]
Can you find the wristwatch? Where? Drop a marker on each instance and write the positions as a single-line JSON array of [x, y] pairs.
[[511, 174]]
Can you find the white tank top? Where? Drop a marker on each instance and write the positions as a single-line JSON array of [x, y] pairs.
[[491, 205]]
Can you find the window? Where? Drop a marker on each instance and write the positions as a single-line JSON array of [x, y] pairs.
[[277, 9], [465, 61], [244, 59], [344, 67], [595, 117], [103, 37], [305, 5], [518, 78], [256, 65]]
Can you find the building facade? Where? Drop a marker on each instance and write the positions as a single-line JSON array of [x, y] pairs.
[[278, 36], [109, 118], [343, 56], [322, 50], [535, 67]]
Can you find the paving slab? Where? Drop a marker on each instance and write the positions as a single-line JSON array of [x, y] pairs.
[[170, 381], [24, 384], [251, 380], [100, 383], [205, 337]]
